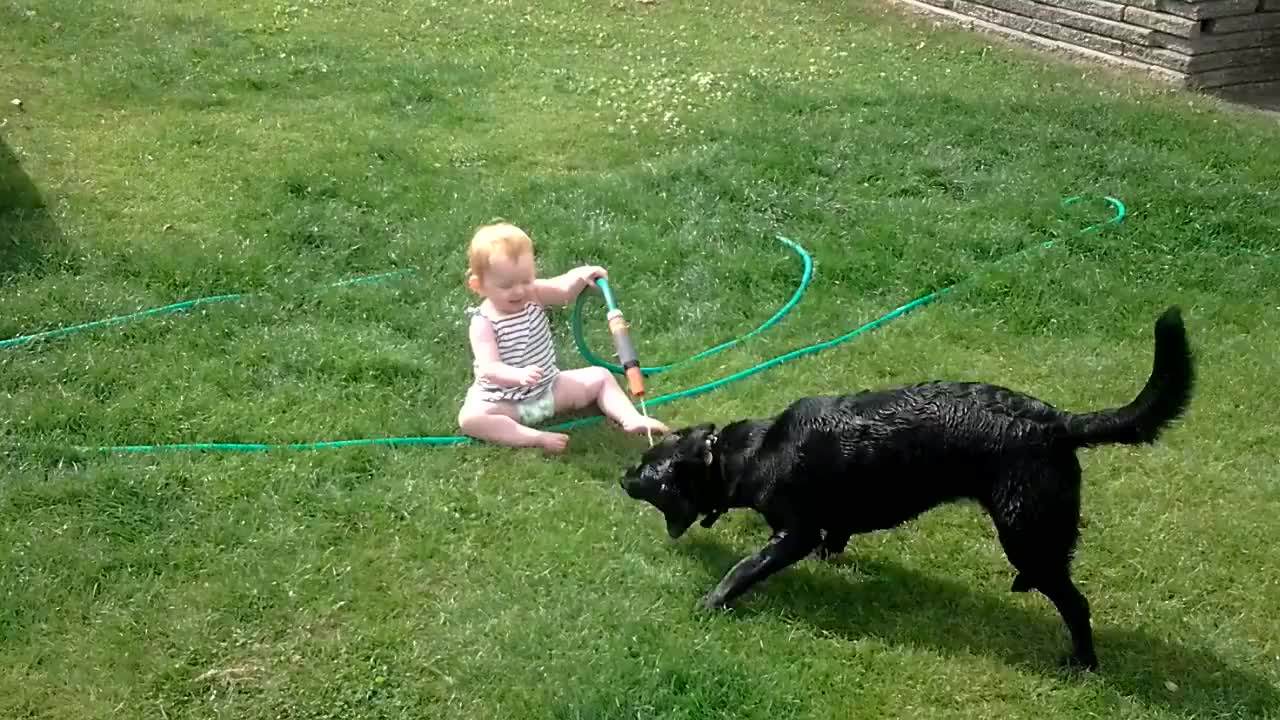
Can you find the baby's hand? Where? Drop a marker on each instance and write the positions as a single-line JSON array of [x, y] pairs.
[[589, 273], [529, 376]]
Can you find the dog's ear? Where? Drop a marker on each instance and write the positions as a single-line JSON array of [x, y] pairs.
[[696, 431], [696, 441]]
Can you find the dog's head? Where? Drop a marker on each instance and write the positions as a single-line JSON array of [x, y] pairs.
[[672, 476]]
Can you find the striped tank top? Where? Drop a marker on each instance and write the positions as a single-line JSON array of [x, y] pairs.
[[524, 339]]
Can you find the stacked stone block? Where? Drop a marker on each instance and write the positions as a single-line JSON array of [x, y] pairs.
[[1211, 44]]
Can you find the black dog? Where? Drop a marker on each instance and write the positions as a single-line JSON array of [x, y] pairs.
[[829, 467]]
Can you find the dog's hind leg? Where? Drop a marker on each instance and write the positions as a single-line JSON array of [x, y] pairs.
[[783, 549], [1022, 583], [1044, 563], [1036, 509], [1074, 609], [1051, 575]]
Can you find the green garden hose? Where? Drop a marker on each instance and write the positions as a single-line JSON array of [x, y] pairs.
[[174, 308], [1117, 207]]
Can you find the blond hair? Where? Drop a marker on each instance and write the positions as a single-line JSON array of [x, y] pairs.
[[493, 241]]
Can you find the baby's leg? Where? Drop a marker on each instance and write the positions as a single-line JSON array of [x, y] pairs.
[[579, 388], [496, 422]]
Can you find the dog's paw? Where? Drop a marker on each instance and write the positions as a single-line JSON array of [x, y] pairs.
[[1075, 663], [827, 554]]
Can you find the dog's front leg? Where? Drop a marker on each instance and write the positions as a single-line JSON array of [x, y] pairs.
[[833, 543], [783, 549]]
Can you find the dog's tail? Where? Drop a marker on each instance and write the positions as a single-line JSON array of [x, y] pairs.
[[1162, 400]]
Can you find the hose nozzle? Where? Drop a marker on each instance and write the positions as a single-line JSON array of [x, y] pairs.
[[619, 328]]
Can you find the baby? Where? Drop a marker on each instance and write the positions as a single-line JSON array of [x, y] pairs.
[[517, 382]]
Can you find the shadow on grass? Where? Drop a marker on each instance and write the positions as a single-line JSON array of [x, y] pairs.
[[1264, 97], [29, 238], [902, 606]]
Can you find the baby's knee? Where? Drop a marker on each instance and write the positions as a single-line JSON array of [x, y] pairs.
[[468, 416], [599, 378]]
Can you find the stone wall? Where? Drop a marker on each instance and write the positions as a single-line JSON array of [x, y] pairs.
[[1219, 44]]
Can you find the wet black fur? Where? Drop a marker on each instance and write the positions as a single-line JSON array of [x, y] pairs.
[[827, 468]]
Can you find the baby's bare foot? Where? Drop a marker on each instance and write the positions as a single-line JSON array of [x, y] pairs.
[[553, 443], [644, 424]]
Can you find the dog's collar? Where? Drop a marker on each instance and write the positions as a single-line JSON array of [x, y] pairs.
[[717, 466]]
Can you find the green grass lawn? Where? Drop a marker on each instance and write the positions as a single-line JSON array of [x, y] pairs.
[[170, 151]]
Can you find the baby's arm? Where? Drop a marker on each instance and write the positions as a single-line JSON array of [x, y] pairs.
[[484, 346], [562, 289]]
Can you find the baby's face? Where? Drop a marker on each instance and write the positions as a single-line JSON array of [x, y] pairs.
[[508, 283]]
